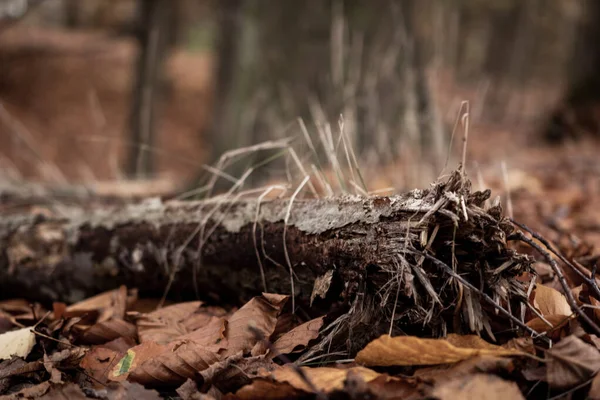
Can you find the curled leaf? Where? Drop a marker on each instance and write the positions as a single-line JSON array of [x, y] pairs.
[[298, 337], [411, 350], [260, 313]]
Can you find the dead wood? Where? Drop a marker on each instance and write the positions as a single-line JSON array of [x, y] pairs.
[[377, 250]]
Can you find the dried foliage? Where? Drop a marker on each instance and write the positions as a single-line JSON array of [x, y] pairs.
[[453, 268]]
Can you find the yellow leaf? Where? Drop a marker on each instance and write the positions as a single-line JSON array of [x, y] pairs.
[[411, 350], [553, 306], [549, 301], [324, 379], [478, 386]]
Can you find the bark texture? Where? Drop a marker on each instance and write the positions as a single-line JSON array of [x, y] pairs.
[[349, 246]]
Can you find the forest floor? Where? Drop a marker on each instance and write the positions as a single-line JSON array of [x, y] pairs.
[[121, 345]]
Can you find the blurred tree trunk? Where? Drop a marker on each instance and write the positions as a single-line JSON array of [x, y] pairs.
[[579, 110], [157, 21], [224, 130], [322, 60]]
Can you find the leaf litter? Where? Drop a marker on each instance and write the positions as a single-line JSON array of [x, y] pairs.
[[494, 329]]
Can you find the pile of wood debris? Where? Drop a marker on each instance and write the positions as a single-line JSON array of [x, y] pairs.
[[418, 295]]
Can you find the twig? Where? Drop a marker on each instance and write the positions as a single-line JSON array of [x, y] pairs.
[[561, 278], [591, 280], [483, 295], [285, 249]]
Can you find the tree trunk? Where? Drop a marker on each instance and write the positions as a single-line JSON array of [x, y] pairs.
[[156, 27]]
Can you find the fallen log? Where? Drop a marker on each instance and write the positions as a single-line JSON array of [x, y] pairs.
[[377, 249]]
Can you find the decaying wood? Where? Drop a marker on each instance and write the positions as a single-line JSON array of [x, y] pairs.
[[351, 246]]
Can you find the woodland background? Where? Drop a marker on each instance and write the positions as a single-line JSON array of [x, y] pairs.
[[102, 90], [112, 111]]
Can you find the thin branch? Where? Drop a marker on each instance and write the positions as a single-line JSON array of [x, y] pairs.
[[591, 280], [483, 295], [561, 278]]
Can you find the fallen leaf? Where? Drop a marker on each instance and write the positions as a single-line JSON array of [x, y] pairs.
[[549, 301], [522, 344], [165, 324], [231, 374], [553, 306], [189, 390], [17, 366], [261, 313], [16, 343], [31, 392], [571, 362], [479, 364], [106, 331], [113, 303], [55, 374], [386, 387], [131, 390], [411, 350], [212, 335], [152, 364], [297, 337], [594, 393], [98, 362], [477, 386], [15, 306], [58, 309], [262, 388], [324, 379], [69, 391]]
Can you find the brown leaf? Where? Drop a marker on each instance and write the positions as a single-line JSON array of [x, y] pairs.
[[549, 301], [188, 391], [411, 350], [98, 363], [297, 337], [15, 306], [55, 374], [233, 373], [61, 392], [17, 366], [58, 309], [30, 392], [261, 388], [106, 331], [109, 304], [571, 362], [165, 324], [522, 344], [594, 393], [261, 313], [130, 390], [553, 306], [478, 364], [478, 386], [212, 335], [324, 379], [385, 387], [152, 364]]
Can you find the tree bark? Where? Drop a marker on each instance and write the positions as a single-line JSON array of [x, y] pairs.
[[220, 249]]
